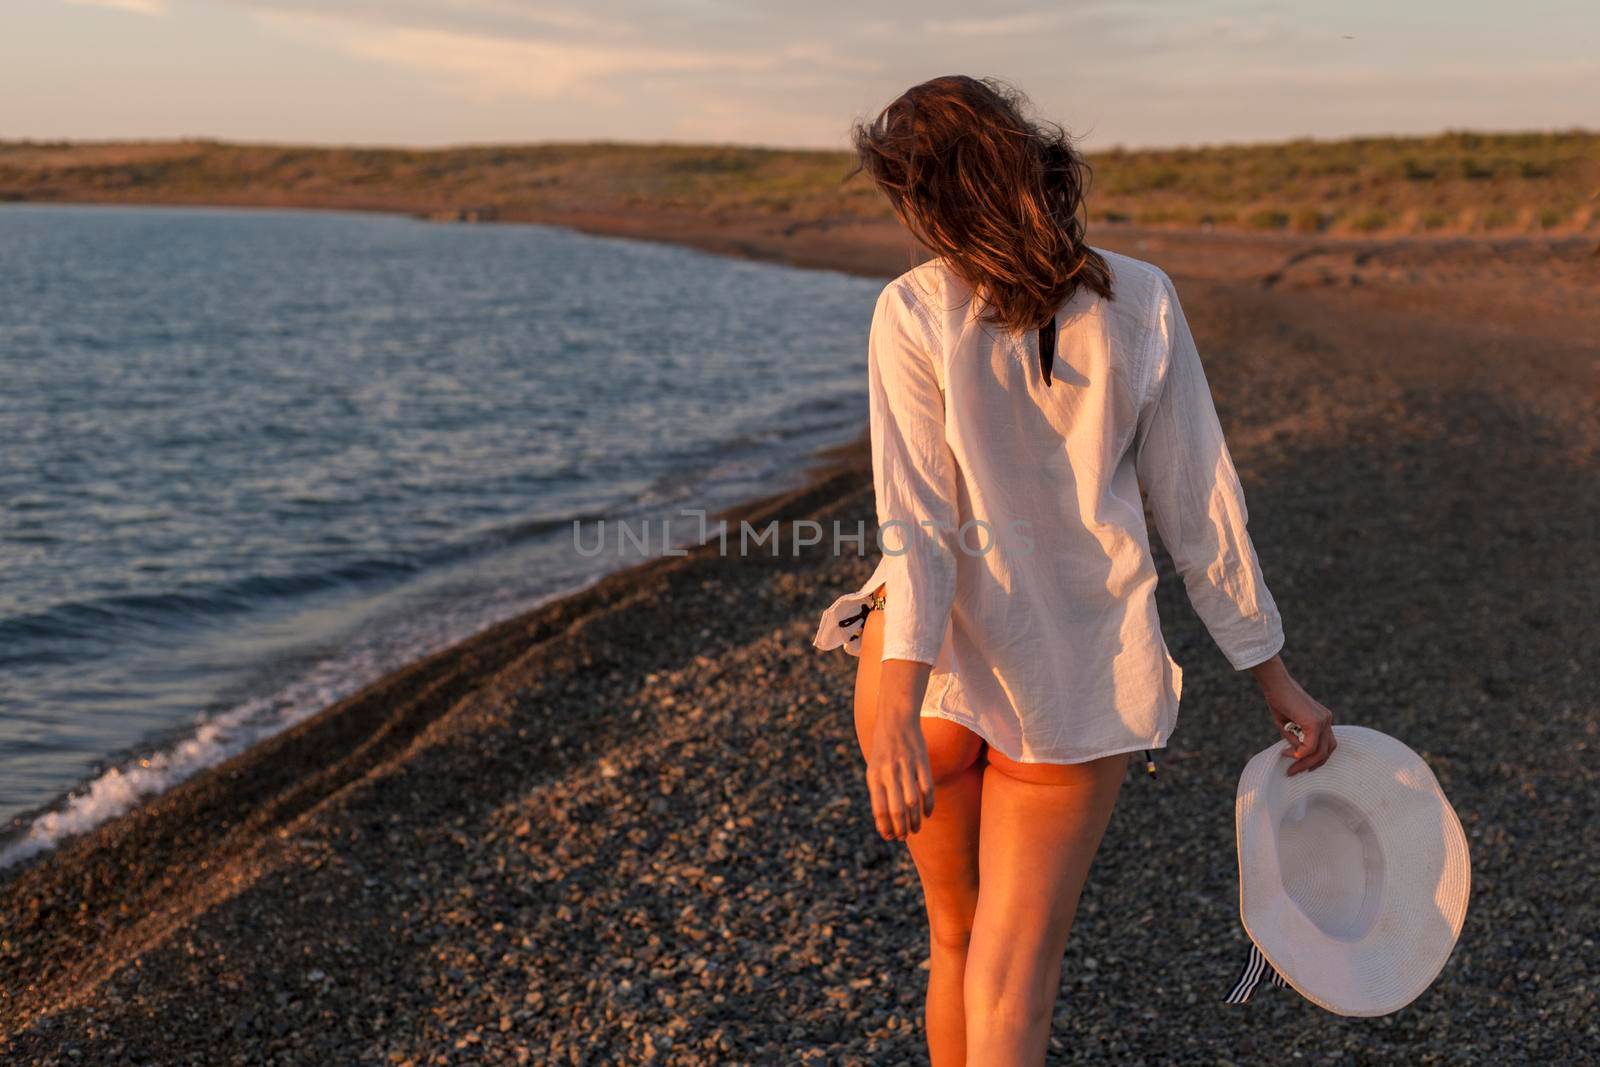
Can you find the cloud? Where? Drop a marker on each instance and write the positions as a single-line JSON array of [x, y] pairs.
[[821, 55], [482, 67], [1033, 21], [997, 25], [496, 18], [137, 7]]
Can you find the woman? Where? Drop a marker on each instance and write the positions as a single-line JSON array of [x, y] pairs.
[[1022, 386]]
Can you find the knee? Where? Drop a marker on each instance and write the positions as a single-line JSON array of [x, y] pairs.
[[1005, 1007], [1008, 998], [950, 932]]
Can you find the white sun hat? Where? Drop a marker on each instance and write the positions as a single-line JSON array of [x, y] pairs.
[[1353, 878]]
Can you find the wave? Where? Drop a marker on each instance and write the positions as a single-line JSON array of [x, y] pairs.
[[121, 787], [746, 460], [27, 639]]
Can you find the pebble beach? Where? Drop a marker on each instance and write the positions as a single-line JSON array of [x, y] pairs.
[[630, 827]]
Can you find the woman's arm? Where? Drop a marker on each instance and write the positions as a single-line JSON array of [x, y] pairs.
[[914, 476], [1195, 495], [1199, 509]]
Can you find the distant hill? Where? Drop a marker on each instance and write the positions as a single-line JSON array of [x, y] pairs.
[[1452, 183]]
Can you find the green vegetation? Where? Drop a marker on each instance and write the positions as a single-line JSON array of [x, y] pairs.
[[1452, 183], [1269, 219]]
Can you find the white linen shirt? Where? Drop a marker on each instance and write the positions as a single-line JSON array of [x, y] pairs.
[[1015, 555]]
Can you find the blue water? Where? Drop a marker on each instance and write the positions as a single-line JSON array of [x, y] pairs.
[[251, 460]]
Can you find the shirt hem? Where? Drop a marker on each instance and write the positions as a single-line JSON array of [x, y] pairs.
[[1159, 741]]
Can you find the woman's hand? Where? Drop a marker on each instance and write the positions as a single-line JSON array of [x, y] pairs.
[[899, 777], [1306, 724]]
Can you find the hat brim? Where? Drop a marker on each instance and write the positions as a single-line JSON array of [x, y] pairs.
[[1411, 925]]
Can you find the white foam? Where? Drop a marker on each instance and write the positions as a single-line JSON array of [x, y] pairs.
[[228, 733], [222, 736]]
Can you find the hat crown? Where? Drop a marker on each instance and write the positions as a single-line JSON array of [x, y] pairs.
[[1332, 864]]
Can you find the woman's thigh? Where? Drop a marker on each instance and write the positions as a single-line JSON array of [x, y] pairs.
[[1042, 824], [945, 849]]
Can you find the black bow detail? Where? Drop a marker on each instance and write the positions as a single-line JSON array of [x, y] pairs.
[[860, 616], [1047, 348]]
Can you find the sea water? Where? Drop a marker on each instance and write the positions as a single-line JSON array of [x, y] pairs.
[[252, 460]]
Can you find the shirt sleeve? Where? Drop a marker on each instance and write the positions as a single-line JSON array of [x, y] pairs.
[[914, 476], [1195, 495]]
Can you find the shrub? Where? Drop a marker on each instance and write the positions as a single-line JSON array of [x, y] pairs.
[[1368, 221], [1160, 215], [1498, 218], [1417, 171], [1163, 178], [1269, 219], [1309, 220]]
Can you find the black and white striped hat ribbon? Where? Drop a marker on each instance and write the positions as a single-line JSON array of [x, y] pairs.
[[1255, 969]]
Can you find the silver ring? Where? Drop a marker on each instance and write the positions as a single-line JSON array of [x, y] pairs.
[[1294, 728]]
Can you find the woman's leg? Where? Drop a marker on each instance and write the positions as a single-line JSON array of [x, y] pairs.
[[1042, 825], [945, 851]]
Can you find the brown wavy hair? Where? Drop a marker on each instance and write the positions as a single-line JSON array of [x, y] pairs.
[[996, 194]]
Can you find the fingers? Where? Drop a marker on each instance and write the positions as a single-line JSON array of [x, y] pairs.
[[1306, 725], [912, 798], [915, 800], [925, 784], [1330, 743], [881, 815], [1314, 751], [902, 797], [889, 805]]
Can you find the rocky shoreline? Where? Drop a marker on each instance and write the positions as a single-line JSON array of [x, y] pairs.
[[630, 828]]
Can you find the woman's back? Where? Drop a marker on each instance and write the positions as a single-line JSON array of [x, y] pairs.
[[1018, 623], [1016, 557]]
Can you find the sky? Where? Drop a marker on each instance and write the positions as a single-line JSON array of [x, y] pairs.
[[436, 72]]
